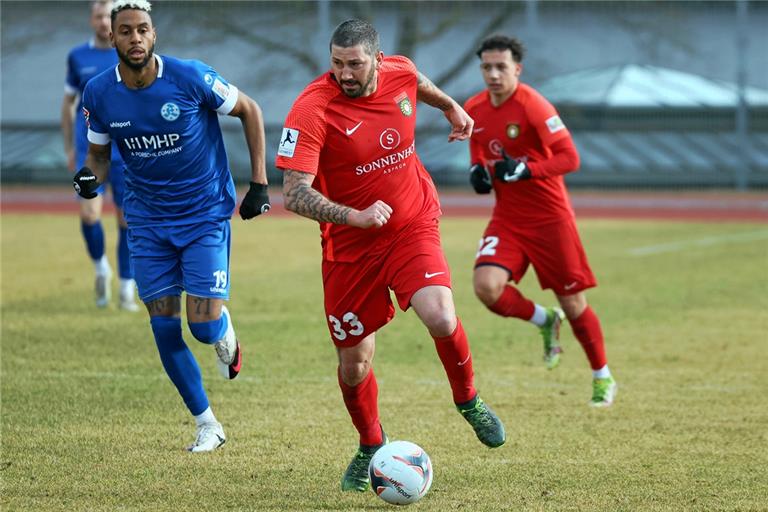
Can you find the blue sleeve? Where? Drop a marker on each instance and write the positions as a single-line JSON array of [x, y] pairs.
[[97, 129], [211, 89], [72, 82]]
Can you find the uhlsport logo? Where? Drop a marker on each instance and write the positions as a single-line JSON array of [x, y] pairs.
[[208, 78], [170, 111], [404, 103]]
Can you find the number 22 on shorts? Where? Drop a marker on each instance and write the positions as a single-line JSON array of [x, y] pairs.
[[487, 246], [349, 320]]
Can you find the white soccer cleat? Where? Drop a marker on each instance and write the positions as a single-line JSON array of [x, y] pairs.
[[128, 304], [229, 358], [128, 295], [103, 288], [209, 437]]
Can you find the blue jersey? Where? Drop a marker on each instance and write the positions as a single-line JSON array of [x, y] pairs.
[[169, 136], [83, 63]]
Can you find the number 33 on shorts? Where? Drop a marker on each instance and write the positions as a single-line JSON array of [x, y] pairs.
[[348, 325]]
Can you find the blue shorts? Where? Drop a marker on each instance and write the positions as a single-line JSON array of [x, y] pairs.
[[167, 260]]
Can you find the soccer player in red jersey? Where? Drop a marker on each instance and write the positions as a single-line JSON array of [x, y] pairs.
[[347, 152], [521, 149]]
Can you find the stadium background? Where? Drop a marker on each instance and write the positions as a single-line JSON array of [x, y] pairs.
[[657, 94]]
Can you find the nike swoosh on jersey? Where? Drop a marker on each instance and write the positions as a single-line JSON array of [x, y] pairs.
[[430, 276], [350, 131], [478, 130], [571, 285]]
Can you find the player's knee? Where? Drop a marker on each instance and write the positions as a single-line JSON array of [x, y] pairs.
[[353, 374], [441, 322], [209, 332], [488, 291]]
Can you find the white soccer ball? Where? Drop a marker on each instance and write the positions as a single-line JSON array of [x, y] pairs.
[[401, 473]]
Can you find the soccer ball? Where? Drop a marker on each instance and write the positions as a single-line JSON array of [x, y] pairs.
[[401, 473]]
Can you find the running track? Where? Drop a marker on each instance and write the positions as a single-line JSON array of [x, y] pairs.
[[694, 206]]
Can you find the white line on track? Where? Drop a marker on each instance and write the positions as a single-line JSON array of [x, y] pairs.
[[682, 245]]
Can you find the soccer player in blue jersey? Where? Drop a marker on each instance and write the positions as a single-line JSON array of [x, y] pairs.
[[83, 63], [179, 198]]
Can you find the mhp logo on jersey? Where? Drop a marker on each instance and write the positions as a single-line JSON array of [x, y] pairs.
[[170, 111]]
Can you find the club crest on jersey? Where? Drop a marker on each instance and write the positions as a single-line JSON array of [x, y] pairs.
[[208, 78], [404, 103], [513, 130], [170, 111]]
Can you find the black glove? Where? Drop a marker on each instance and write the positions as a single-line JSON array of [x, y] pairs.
[[255, 202], [480, 179], [510, 170], [85, 183]]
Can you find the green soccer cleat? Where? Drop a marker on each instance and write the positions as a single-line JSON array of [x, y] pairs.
[[603, 392], [550, 332], [488, 426], [356, 476]]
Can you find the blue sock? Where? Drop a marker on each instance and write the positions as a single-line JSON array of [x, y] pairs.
[[179, 363], [123, 260], [94, 239], [209, 332]]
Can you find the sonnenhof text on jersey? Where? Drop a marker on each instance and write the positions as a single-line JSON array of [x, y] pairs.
[[386, 161]]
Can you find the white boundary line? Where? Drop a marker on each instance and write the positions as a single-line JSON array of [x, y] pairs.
[[701, 242]]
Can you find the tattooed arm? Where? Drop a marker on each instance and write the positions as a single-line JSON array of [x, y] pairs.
[[461, 123], [299, 197]]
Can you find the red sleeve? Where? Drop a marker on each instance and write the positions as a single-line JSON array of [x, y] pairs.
[[303, 132], [564, 159], [476, 153]]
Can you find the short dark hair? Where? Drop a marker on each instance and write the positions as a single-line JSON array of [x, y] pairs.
[[354, 32], [122, 5], [500, 42]]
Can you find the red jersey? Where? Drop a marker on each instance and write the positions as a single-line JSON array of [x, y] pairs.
[[525, 126], [361, 150]]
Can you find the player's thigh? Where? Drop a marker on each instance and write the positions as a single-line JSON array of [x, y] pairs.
[[205, 259], [500, 247], [417, 261], [357, 301], [155, 262], [559, 259]]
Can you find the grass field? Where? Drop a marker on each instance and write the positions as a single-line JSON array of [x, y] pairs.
[[91, 423]]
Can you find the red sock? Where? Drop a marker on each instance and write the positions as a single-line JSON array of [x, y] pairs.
[[587, 330], [363, 406], [457, 361], [512, 303]]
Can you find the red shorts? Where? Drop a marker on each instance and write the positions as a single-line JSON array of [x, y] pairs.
[[554, 250], [357, 299]]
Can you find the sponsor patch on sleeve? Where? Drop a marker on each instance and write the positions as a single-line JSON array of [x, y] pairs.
[[288, 141], [220, 88], [555, 124]]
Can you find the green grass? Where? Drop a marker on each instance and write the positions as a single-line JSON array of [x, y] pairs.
[[90, 422]]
